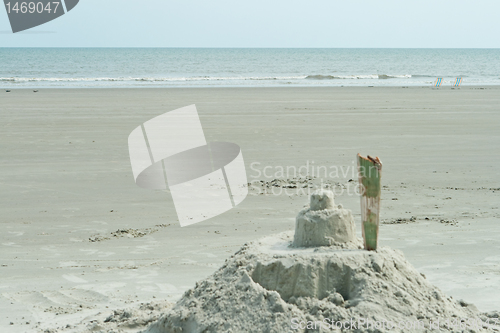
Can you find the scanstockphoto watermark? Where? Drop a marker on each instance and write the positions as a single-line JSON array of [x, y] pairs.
[[356, 324], [304, 179]]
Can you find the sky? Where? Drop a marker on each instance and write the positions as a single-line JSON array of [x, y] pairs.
[[269, 23]]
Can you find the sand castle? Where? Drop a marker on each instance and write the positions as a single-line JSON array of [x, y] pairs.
[[317, 279]]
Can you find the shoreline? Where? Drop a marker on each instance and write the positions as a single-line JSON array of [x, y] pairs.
[[258, 87]]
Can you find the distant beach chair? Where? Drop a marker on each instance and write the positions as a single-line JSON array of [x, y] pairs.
[[458, 82], [438, 82]]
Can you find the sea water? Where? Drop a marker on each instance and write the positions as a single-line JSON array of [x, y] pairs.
[[240, 67]]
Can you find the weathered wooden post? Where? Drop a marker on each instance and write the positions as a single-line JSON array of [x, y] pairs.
[[369, 171]]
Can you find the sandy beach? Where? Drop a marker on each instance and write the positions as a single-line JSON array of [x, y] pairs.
[[80, 239]]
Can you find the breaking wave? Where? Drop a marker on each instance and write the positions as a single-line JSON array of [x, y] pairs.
[[198, 78], [351, 77]]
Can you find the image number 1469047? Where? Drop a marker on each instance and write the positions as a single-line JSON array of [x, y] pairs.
[[32, 7]]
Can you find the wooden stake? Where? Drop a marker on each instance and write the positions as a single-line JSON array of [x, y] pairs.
[[369, 171]]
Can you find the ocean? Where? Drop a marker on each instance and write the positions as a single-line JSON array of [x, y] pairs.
[[218, 67]]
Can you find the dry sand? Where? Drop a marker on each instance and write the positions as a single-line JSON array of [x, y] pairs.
[[80, 240]]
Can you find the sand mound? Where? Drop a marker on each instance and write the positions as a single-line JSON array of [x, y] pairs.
[[268, 286]]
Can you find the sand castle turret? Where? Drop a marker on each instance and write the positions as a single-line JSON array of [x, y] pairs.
[[323, 223]]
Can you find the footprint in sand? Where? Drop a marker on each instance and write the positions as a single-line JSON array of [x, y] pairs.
[[89, 251], [53, 249], [68, 264], [102, 288], [76, 240], [492, 258], [207, 254], [97, 253], [136, 275], [73, 278], [163, 288], [47, 305], [143, 249], [188, 262], [11, 244]]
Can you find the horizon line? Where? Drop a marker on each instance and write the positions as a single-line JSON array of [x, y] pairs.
[[244, 47]]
